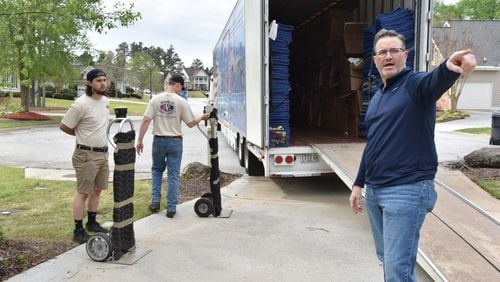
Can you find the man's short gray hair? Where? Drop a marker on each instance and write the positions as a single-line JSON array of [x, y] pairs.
[[389, 33]]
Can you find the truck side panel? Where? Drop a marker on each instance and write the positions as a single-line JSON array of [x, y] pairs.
[[229, 81]]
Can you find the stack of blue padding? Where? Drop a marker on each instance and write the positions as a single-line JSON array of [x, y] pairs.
[[279, 113], [400, 20]]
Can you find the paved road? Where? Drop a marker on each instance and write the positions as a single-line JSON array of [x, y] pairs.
[[49, 148]]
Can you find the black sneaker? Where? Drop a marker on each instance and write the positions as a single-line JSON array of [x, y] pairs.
[[154, 207], [80, 236], [96, 227], [170, 214]]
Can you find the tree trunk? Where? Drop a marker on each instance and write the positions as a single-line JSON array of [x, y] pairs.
[[25, 98]]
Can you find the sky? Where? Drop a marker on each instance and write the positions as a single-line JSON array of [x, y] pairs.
[[191, 26]]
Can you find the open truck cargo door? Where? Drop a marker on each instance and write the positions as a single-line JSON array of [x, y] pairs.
[[255, 86]]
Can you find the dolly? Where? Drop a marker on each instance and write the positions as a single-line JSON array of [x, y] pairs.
[[121, 239], [210, 203]]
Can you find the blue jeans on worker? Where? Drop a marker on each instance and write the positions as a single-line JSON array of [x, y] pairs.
[[396, 214], [167, 154]]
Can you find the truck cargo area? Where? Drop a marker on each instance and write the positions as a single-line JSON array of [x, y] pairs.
[[327, 57]]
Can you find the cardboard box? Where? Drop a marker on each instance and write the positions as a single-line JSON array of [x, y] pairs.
[[353, 37]]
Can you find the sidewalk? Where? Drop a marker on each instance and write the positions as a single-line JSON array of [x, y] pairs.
[[277, 232]]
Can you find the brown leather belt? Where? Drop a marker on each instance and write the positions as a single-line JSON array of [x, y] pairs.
[[92, 149], [173, 137]]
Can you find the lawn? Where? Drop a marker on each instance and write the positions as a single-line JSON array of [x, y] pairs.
[[42, 209], [11, 123], [135, 106], [477, 130]]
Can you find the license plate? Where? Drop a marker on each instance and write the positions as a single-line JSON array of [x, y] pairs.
[[309, 158]]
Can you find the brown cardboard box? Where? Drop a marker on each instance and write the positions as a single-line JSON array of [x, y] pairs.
[[353, 37], [356, 74]]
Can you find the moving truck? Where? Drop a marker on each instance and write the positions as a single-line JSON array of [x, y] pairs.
[[278, 110]]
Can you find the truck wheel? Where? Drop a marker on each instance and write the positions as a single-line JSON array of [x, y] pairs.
[[253, 166], [99, 247], [241, 151], [204, 207]]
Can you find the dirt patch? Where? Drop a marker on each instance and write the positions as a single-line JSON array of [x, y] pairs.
[[475, 173], [18, 256], [26, 116]]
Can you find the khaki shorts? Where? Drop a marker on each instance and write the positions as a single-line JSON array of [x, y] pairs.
[[92, 170]]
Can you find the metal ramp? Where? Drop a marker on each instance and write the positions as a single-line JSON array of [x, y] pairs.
[[343, 158], [456, 242]]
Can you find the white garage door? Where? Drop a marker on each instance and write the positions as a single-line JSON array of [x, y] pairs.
[[475, 96]]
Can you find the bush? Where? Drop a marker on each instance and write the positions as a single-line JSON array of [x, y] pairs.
[[64, 96], [136, 95], [50, 88], [449, 115], [49, 94]]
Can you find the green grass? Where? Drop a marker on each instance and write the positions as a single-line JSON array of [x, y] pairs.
[[196, 94], [492, 186], [477, 130], [11, 123], [43, 208], [131, 104]]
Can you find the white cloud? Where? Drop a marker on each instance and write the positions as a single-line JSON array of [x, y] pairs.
[[191, 26]]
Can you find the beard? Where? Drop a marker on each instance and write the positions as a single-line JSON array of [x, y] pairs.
[[100, 92]]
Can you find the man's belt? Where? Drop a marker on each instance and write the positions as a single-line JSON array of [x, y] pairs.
[[92, 149], [179, 137]]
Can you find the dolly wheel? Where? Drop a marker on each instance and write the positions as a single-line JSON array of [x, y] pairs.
[[204, 207], [207, 195], [99, 247]]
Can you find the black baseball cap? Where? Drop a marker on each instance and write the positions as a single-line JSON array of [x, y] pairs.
[[95, 73]]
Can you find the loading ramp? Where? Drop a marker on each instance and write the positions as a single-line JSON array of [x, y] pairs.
[[457, 242]]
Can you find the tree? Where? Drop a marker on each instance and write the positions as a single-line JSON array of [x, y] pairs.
[[442, 52], [197, 64], [466, 9], [38, 38], [143, 67], [85, 59], [172, 61]]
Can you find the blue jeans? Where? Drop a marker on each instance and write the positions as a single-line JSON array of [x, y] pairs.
[[396, 214], [167, 153]]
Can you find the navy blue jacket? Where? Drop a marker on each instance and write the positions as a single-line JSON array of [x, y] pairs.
[[400, 145]]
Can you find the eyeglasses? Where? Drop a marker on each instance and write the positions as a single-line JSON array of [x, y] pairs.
[[392, 51]]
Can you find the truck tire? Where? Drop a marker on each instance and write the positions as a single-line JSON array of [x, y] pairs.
[[241, 151], [253, 166]]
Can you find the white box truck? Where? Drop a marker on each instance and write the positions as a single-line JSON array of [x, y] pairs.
[[325, 65]]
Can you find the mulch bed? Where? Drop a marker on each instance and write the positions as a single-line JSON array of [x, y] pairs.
[[26, 116], [17, 256]]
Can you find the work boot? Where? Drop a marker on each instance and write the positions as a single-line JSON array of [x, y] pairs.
[[96, 227], [154, 207], [170, 214], [80, 236]]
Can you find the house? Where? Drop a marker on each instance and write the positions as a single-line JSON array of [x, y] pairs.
[[198, 79], [482, 88], [9, 84]]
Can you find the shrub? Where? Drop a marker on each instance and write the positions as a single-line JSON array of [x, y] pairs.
[[451, 115], [63, 96], [136, 95], [129, 90]]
